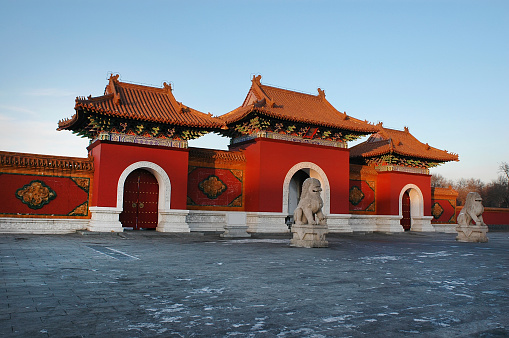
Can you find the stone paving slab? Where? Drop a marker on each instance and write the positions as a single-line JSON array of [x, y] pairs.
[[146, 284]]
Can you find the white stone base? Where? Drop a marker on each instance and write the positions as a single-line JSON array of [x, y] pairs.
[[361, 223], [41, 225], [105, 219], [236, 225], [422, 224], [266, 222], [445, 228], [388, 223], [206, 221], [173, 221], [339, 223], [309, 236], [472, 233]]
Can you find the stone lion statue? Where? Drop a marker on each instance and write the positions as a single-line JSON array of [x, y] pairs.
[[309, 209], [472, 211]]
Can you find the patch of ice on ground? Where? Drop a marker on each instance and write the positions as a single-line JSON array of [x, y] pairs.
[[434, 254], [381, 259], [175, 319], [336, 319], [207, 290], [302, 332], [422, 320], [260, 240]]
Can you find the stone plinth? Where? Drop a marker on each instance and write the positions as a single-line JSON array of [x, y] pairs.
[[472, 233], [105, 219], [236, 225], [173, 221], [309, 236]]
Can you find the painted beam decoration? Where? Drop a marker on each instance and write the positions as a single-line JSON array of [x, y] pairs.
[[256, 122], [96, 124]]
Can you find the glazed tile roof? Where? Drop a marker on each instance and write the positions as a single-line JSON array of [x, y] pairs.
[[137, 102], [391, 141], [294, 106]]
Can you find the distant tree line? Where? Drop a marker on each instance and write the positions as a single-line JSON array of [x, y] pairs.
[[494, 194]]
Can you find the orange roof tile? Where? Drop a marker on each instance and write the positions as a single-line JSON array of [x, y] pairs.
[[137, 102], [391, 141], [294, 106]]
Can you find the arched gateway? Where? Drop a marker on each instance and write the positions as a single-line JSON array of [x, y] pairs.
[[147, 188], [272, 128], [411, 206], [294, 179]]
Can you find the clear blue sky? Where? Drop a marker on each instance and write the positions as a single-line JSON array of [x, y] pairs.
[[439, 67]]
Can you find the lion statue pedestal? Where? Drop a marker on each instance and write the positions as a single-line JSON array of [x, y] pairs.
[[310, 225], [471, 226]]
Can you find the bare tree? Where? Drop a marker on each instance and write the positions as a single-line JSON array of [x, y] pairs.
[[439, 181], [494, 194], [504, 182], [504, 168], [464, 186]]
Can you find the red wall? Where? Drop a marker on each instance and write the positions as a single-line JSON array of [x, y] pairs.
[[268, 162], [69, 195], [111, 159], [389, 187], [492, 215]]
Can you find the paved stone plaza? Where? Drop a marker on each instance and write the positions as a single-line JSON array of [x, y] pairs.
[[145, 284]]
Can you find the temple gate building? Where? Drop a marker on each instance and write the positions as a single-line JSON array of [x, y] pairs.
[[141, 173]]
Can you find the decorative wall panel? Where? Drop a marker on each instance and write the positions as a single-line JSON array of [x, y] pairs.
[[443, 211], [25, 194], [362, 196], [215, 187]]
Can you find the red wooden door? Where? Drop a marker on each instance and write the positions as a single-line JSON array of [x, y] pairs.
[[141, 194], [405, 204]]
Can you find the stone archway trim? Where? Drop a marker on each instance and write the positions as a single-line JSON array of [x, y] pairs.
[[323, 178], [416, 200], [162, 179], [419, 222]]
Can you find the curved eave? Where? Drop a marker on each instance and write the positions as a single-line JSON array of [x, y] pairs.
[[73, 123], [206, 124], [385, 150], [240, 113]]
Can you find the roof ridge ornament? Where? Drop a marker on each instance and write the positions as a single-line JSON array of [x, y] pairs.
[[257, 79], [321, 94], [110, 88], [167, 87], [114, 78]]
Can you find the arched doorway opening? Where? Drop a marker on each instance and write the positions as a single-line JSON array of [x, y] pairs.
[[140, 202], [296, 189], [411, 205], [406, 221], [293, 184]]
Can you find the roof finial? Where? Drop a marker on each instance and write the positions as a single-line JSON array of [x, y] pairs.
[[406, 130], [257, 79], [321, 94], [115, 77], [168, 87]]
